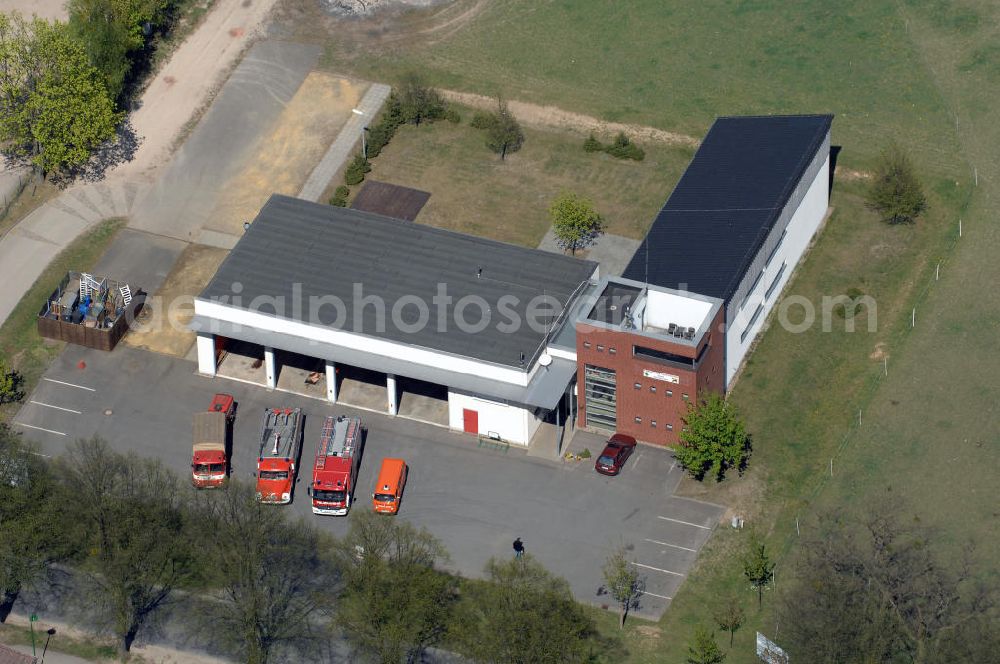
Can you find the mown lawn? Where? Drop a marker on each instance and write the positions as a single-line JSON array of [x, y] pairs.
[[473, 191]]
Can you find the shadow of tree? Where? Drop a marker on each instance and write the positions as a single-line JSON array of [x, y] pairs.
[[118, 150]]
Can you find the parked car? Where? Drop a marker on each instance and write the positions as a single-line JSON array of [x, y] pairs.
[[618, 449]]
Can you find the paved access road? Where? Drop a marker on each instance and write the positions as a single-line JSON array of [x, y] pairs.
[[476, 501]]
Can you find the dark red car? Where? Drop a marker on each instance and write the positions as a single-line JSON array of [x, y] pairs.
[[618, 449]]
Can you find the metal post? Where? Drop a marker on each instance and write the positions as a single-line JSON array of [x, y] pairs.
[[913, 318], [937, 271], [959, 228], [885, 361], [831, 467], [797, 527], [31, 624], [50, 632]]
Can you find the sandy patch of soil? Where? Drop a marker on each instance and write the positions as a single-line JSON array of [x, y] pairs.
[[163, 324], [284, 159]]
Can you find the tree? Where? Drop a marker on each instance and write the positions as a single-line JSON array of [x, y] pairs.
[[395, 604], [872, 588], [521, 615], [36, 533], [758, 568], [714, 438], [504, 133], [703, 649], [895, 193], [622, 582], [730, 617], [418, 101], [55, 108], [10, 384], [131, 510], [575, 222], [277, 583]]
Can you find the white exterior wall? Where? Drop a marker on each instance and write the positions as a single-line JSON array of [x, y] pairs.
[[359, 342], [514, 424], [800, 231], [206, 354]]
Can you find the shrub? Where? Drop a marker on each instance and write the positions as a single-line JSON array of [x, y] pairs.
[[585, 454], [592, 144], [339, 198], [355, 172], [10, 384], [623, 148], [896, 194], [482, 120], [452, 116]]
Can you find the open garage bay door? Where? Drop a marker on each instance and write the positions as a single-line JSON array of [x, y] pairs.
[[601, 394]]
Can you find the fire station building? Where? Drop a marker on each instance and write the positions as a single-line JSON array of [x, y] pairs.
[[513, 342]]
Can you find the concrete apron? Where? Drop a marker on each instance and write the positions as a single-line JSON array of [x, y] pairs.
[[350, 392]]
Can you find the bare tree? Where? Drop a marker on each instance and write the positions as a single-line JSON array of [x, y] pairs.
[[758, 568], [277, 586], [504, 133], [522, 614], [34, 530], [622, 582], [395, 603], [730, 617], [132, 510], [874, 590]]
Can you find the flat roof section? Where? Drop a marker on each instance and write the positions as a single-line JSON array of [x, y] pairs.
[[613, 302], [390, 200], [727, 201], [297, 250]]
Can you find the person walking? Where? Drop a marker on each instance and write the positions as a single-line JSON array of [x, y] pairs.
[[518, 548]]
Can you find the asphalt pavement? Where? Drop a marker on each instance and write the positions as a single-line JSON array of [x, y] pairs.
[[475, 500]]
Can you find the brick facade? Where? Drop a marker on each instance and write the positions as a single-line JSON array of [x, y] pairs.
[[657, 403]]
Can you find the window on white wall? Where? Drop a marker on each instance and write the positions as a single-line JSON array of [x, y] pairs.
[[774, 284], [752, 289], [776, 247], [753, 319]]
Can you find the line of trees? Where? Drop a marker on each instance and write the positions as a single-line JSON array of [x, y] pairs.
[[130, 540]]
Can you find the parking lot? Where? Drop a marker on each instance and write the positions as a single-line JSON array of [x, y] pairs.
[[476, 501]]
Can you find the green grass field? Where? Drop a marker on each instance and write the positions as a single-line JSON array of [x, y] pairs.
[[923, 72], [473, 191]]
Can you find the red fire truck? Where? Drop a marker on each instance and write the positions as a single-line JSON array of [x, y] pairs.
[[209, 465], [335, 471], [280, 446]]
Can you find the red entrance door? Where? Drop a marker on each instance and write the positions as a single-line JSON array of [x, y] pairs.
[[470, 419]]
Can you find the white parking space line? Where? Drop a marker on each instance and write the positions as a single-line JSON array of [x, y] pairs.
[[686, 523], [29, 426], [60, 382], [48, 405], [674, 546], [646, 592], [656, 569]]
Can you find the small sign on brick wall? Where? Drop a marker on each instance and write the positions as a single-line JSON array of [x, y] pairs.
[[658, 375]]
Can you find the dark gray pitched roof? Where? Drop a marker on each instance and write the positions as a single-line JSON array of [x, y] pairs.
[[727, 201], [331, 251]]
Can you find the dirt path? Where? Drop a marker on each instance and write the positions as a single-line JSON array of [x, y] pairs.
[[557, 118], [185, 85]]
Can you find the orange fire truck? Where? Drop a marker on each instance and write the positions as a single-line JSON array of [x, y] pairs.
[[209, 465], [280, 447], [335, 471]]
